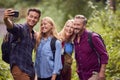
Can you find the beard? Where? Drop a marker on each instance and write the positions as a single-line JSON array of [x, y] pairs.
[[79, 32]]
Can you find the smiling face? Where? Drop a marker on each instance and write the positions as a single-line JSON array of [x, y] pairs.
[[46, 26], [32, 18], [47, 29], [68, 28], [79, 24]]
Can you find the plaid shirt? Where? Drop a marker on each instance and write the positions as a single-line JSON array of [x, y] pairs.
[[21, 54]]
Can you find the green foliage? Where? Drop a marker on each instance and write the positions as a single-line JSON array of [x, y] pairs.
[[4, 69], [74, 73], [107, 24], [6, 4], [53, 11], [12, 3]]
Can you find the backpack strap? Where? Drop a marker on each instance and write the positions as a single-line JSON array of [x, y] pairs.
[[92, 45], [52, 45], [90, 39]]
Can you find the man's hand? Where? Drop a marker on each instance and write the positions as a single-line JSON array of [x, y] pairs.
[[101, 76], [7, 18], [8, 13]]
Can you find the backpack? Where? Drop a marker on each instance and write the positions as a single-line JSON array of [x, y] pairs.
[[53, 48], [92, 45], [9, 42], [52, 45]]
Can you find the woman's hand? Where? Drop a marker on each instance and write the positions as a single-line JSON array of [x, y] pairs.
[[53, 77]]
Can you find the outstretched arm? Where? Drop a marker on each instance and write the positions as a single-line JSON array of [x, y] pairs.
[[7, 18]]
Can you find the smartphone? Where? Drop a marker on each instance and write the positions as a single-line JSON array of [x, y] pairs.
[[16, 14]]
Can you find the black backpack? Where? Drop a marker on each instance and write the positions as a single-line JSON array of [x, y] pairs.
[[53, 48], [9, 42], [92, 45]]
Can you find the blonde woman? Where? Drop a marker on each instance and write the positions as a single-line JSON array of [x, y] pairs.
[[47, 67], [66, 36]]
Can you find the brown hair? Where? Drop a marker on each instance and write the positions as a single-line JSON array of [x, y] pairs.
[[81, 17], [35, 10]]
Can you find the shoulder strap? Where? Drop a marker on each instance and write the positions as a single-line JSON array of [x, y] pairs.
[[102, 40], [90, 39], [53, 48], [92, 45]]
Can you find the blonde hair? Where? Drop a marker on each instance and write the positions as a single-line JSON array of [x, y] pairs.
[[54, 32], [62, 35]]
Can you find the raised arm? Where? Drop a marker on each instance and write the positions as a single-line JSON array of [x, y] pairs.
[[7, 18]]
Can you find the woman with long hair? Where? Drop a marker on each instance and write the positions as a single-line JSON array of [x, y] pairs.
[[66, 36], [47, 66]]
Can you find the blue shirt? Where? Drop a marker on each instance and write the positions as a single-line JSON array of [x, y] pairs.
[[44, 65], [86, 58], [68, 48], [21, 55]]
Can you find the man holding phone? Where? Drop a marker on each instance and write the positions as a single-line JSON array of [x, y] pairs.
[[21, 64], [16, 14]]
